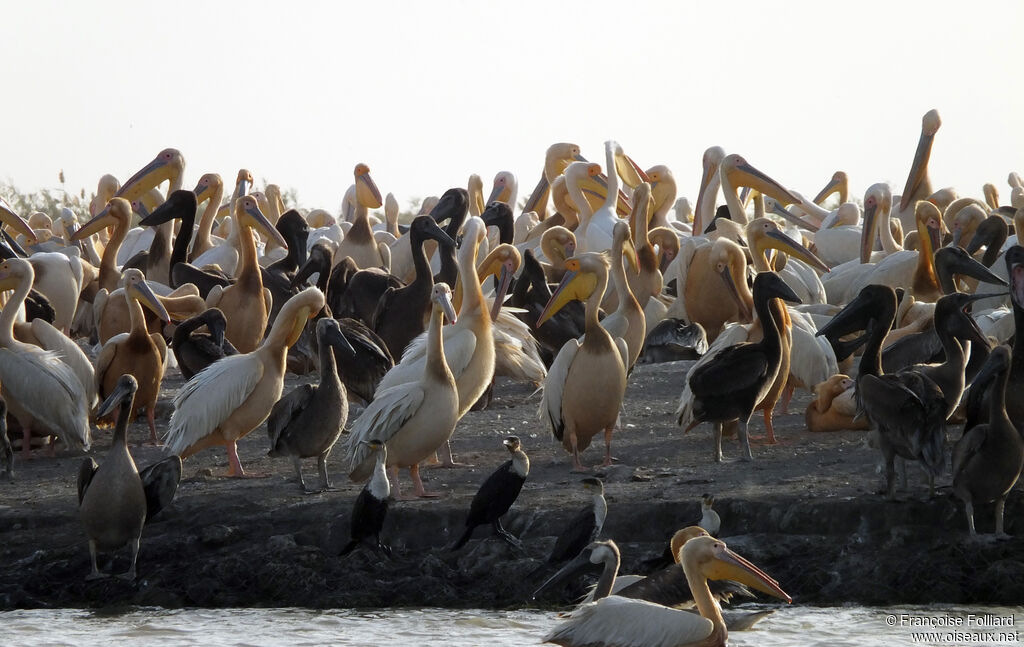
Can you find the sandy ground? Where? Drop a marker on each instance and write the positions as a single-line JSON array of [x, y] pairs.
[[806, 509]]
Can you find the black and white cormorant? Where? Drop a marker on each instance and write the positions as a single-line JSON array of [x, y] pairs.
[[497, 494], [371, 505], [583, 529]]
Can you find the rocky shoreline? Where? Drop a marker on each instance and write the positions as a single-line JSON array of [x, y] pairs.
[[806, 511]]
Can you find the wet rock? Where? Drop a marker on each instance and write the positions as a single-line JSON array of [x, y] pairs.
[[217, 535]]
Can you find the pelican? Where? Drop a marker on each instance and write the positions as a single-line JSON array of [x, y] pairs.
[[308, 421], [988, 459], [627, 321], [246, 304], [359, 243], [233, 396], [919, 186], [733, 381], [137, 352], [735, 171], [839, 184], [834, 407], [764, 234], [597, 230], [412, 418], [556, 159], [558, 244], [907, 408], [707, 194], [117, 214], [468, 342], [195, 351], [615, 621], [704, 270], [114, 499], [584, 389], [226, 254], [41, 391]]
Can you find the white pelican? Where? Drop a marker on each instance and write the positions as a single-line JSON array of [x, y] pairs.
[[597, 230], [359, 243], [234, 395], [225, 255], [42, 392], [413, 419], [919, 186], [707, 194], [614, 621]]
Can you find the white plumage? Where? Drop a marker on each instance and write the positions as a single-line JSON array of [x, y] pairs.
[[623, 622], [210, 397]]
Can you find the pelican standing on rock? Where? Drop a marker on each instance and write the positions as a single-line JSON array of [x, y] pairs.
[[114, 499], [412, 418], [585, 386], [233, 396], [309, 420], [42, 392]]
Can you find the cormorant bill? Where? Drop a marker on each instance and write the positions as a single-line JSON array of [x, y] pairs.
[[497, 494], [371, 505]]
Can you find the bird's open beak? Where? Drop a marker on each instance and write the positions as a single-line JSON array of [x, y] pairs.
[[632, 175]]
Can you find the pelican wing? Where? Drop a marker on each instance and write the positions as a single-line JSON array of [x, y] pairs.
[[682, 265], [70, 353], [968, 446], [48, 390], [516, 354], [383, 418], [210, 397], [288, 408], [459, 346], [554, 385], [160, 482], [86, 471], [630, 623], [106, 356], [812, 360]]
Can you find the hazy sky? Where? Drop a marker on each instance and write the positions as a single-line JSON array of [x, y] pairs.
[[428, 92]]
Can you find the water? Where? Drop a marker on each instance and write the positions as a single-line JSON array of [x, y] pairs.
[[797, 625]]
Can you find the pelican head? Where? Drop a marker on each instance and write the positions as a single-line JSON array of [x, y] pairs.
[[764, 234], [318, 218], [919, 168], [627, 169], [967, 219], [873, 302], [558, 243], [503, 262], [716, 562], [583, 273], [620, 238], [682, 536], [730, 263], [929, 226], [503, 187], [15, 222], [328, 331], [667, 242], [837, 184], [739, 172], [248, 212], [296, 311], [603, 551], [207, 186], [441, 296], [135, 287], [123, 393], [13, 271], [366, 190], [169, 163], [663, 185], [877, 200], [118, 212]]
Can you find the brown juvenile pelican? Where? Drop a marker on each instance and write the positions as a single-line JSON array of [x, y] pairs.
[[309, 420], [907, 408], [988, 459], [114, 499], [497, 494]]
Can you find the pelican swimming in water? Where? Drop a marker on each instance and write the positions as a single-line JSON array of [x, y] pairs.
[[615, 621], [234, 395]]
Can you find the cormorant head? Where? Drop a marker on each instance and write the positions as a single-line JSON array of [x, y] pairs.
[[707, 500], [511, 443], [593, 484]]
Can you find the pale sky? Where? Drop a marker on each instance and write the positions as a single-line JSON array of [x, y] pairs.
[[428, 92]]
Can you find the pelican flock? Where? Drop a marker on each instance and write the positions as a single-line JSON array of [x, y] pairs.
[[898, 339]]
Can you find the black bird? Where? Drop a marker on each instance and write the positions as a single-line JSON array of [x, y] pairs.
[[371, 505], [277, 277], [497, 494], [583, 529], [907, 407], [193, 350], [672, 340], [732, 382], [992, 234], [453, 207]]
